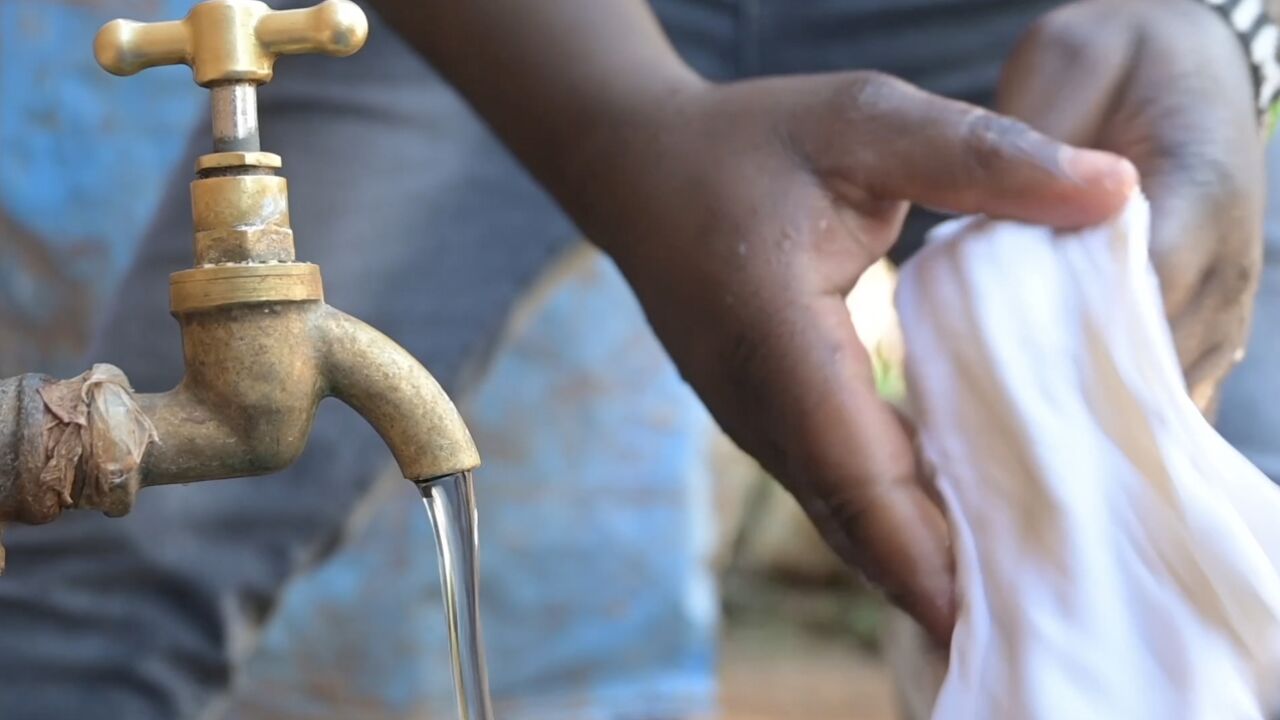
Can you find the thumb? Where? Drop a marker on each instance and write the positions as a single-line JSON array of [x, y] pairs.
[[900, 142]]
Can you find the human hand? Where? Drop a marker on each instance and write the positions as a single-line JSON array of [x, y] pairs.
[[1166, 84], [743, 214]]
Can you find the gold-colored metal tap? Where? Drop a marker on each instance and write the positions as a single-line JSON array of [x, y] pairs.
[[260, 345], [228, 41]]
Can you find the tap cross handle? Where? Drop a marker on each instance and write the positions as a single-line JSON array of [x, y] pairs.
[[232, 46], [231, 41]]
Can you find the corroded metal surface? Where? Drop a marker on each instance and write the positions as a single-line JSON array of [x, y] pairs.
[[234, 107], [210, 287], [390, 389], [23, 496], [261, 348], [95, 437], [241, 218], [234, 201], [257, 370]]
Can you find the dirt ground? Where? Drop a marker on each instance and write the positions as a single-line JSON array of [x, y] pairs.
[[802, 651], [778, 671]]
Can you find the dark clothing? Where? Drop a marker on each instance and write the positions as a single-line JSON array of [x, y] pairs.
[[429, 231]]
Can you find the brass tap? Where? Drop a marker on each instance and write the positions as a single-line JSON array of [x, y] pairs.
[[261, 347]]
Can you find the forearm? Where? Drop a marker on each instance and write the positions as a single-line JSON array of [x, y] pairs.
[[551, 77]]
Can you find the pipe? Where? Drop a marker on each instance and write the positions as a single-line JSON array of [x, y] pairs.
[[23, 497], [255, 374]]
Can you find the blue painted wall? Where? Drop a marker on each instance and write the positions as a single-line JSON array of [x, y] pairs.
[[600, 602], [82, 158]]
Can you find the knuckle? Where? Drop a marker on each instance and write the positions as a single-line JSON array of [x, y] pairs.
[[1216, 250], [1085, 36], [865, 94], [1067, 30], [1225, 192], [987, 146], [985, 138], [1233, 281], [853, 514], [842, 521]]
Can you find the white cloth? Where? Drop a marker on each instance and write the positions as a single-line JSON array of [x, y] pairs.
[[1116, 558]]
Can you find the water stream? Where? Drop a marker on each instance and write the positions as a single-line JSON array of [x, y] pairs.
[[451, 506]]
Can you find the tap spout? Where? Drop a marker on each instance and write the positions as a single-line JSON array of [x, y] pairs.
[[396, 395], [255, 374]]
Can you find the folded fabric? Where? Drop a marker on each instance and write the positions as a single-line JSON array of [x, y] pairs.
[[1115, 557]]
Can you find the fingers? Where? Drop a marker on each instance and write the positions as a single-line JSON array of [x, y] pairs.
[[893, 140], [1064, 73], [1210, 333], [1206, 375], [1210, 326], [845, 455], [1085, 77], [1207, 251]]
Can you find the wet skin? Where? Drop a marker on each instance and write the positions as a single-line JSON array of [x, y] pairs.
[[742, 213]]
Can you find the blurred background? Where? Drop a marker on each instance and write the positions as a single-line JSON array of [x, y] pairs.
[[759, 619]]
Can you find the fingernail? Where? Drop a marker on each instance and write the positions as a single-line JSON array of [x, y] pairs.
[[1100, 169]]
